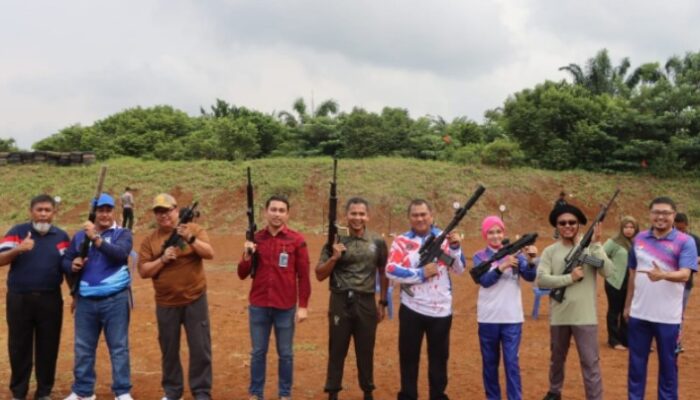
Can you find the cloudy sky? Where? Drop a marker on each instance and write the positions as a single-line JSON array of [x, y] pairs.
[[66, 62]]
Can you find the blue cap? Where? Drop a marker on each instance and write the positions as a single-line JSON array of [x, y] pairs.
[[105, 200]]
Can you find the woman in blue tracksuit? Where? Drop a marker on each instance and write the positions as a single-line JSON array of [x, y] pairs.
[[500, 309]]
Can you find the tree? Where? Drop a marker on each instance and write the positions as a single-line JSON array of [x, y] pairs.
[[8, 145]]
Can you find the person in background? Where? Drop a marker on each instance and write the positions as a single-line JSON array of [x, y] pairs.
[[617, 249], [127, 200]]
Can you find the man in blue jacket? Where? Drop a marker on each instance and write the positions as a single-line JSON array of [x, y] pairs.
[[102, 301]]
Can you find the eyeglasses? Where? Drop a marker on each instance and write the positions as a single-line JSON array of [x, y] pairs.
[[664, 213], [570, 222]]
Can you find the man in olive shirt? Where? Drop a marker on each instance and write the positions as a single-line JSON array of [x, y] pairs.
[[576, 314], [353, 267], [181, 298]]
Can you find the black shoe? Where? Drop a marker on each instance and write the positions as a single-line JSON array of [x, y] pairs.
[[332, 396], [552, 396], [368, 396]]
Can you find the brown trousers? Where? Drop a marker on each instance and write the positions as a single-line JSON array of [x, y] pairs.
[[586, 339]]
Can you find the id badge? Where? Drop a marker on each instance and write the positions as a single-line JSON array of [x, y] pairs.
[[284, 259]]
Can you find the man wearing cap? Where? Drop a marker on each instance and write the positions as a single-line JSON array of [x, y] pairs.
[[576, 314], [660, 261], [127, 201], [102, 301], [34, 303], [180, 291]]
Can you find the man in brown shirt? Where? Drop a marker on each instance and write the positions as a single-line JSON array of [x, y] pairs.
[[180, 290]]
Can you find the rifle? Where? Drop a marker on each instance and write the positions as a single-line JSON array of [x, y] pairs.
[[431, 250], [576, 256], [187, 214], [507, 249], [92, 215], [252, 228], [332, 212]]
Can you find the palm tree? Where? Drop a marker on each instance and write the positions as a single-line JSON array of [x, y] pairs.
[[599, 76]]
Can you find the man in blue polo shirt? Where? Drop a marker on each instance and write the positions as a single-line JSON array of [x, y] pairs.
[[102, 301], [660, 262], [34, 251]]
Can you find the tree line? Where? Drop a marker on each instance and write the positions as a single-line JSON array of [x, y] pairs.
[[607, 118]]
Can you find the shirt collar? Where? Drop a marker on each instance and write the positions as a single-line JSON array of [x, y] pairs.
[[284, 231], [413, 234], [669, 236]]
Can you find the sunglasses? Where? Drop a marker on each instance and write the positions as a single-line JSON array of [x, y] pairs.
[[571, 222]]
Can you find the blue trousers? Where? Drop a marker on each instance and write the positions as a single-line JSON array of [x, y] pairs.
[[639, 335], [262, 320], [92, 316], [493, 338]]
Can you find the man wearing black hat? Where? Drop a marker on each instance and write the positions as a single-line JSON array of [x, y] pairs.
[[576, 314]]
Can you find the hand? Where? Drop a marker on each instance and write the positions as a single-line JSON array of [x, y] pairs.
[[90, 231], [185, 231], [512, 261], [455, 239], [27, 244], [530, 252], [597, 232], [248, 249], [656, 273], [626, 313], [302, 314], [338, 249], [169, 255], [77, 264], [380, 312], [430, 270], [577, 274]]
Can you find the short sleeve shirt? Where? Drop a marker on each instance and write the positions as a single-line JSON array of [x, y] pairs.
[[357, 267]]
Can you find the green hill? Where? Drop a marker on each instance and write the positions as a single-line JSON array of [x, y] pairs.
[[389, 183]]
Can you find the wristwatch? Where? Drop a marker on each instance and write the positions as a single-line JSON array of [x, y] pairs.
[[192, 239]]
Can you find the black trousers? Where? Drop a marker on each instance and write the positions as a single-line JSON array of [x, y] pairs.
[[617, 326], [128, 218], [195, 318], [412, 327], [351, 314], [34, 333]]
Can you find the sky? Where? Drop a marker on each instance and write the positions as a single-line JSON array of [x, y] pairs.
[[76, 62]]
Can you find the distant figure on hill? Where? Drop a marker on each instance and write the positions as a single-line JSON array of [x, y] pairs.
[[127, 201]]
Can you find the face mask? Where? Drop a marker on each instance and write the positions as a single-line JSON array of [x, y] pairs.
[[41, 227]]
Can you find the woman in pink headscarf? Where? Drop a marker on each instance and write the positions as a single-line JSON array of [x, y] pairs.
[[500, 309]]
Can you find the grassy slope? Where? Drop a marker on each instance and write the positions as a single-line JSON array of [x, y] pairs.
[[388, 182]]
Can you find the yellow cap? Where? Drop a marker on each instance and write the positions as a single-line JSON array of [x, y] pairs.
[[164, 200]]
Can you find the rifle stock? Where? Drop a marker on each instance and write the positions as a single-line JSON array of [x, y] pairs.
[[576, 256], [332, 211]]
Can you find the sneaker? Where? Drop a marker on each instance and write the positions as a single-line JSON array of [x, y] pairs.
[[167, 398], [125, 396], [74, 396], [253, 397], [285, 398], [44, 398], [552, 396]]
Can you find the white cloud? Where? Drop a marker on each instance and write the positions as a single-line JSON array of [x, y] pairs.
[[78, 61]]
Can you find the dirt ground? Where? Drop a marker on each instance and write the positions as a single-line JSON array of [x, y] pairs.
[[231, 344]]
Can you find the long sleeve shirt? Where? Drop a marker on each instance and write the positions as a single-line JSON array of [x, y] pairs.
[[618, 255], [431, 296], [579, 304], [500, 299], [282, 275], [106, 271]]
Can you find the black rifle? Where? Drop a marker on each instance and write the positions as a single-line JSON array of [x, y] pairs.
[[252, 228], [576, 256], [431, 250], [507, 249], [74, 282], [187, 215], [332, 212]]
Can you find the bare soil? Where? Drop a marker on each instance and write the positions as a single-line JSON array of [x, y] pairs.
[[231, 344]]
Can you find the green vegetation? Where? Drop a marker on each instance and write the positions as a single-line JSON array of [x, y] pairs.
[[609, 118], [389, 183]]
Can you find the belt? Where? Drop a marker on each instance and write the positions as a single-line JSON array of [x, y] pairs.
[[98, 298]]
